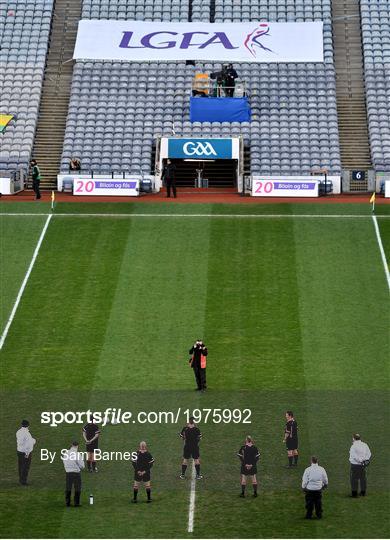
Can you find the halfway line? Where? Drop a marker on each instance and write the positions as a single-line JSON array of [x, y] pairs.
[[24, 283], [378, 237], [191, 511]]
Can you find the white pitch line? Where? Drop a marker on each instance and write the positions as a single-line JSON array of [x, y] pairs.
[[253, 216], [191, 510], [383, 255], [24, 283]]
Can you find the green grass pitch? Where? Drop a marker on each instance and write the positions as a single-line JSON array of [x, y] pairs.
[[295, 312]]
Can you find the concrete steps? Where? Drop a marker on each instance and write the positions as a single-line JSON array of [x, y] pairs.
[[351, 93], [56, 90]]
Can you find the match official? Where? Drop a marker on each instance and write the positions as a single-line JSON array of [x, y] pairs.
[[359, 458], [24, 446], [249, 456], [91, 434], [142, 465], [291, 439], [314, 480], [191, 436], [198, 361], [73, 464]]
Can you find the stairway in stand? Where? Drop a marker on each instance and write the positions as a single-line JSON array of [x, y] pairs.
[[53, 109], [351, 102]]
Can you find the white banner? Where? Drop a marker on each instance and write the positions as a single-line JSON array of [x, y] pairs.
[[285, 186], [106, 186], [227, 42]]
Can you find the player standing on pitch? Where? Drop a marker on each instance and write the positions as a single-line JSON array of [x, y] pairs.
[[291, 439], [191, 435], [142, 465], [249, 456]]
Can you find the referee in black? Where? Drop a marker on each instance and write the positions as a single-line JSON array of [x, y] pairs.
[[142, 463], [91, 434], [249, 456], [191, 436], [291, 439]]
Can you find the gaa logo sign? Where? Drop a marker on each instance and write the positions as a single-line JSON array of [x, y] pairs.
[[199, 149]]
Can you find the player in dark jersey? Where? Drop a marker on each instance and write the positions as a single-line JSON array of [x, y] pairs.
[[291, 439], [142, 465], [249, 456], [191, 435], [91, 434]]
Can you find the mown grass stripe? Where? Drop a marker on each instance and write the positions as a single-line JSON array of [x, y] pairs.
[[259, 216]]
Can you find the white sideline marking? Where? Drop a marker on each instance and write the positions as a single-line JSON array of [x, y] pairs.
[[24, 283], [191, 510], [260, 216], [378, 237]]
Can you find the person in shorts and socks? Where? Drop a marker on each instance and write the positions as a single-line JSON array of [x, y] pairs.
[[249, 456], [91, 434], [142, 464], [191, 436], [291, 439]]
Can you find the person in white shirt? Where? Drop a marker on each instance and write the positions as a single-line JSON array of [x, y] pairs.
[[24, 446], [73, 464], [314, 480], [359, 458]]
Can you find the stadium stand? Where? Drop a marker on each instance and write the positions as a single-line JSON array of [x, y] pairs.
[[116, 109], [24, 32], [375, 16]]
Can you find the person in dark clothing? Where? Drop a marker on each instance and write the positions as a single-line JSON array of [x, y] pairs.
[[230, 80], [197, 361], [91, 434], [142, 465], [36, 178], [249, 456], [169, 177], [291, 439], [191, 436]]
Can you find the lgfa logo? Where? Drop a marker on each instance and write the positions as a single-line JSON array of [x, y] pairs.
[[252, 40], [191, 148]]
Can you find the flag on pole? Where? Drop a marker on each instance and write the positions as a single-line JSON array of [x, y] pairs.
[[53, 198], [5, 119], [372, 201]]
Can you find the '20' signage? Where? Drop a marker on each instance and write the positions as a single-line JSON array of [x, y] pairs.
[[263, 187], [83, 186]]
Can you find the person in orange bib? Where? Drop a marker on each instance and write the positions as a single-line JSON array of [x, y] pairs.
[[197, 361]]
